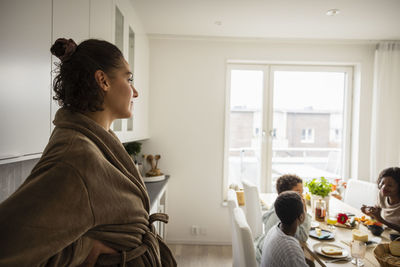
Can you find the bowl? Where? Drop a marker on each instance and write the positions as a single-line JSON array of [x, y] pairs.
[[394, 236], [375, 229]]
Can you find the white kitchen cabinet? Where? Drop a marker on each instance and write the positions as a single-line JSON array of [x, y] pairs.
[[71, 20], [125, 41], [25, 68], [102, 19], [111, 20], [28, 29]]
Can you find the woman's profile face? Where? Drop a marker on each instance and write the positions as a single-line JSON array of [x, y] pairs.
[[118, 100], [389, 187]]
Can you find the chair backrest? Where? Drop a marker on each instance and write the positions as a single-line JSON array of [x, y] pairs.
[[246, 252], [232, 201], [253, 208], [360, 192], [232, 204]]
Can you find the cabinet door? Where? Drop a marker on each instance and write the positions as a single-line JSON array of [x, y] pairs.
[[70, 20], [102, 20], [25, 74]]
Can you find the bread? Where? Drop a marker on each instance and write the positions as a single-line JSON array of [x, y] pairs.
[[330, 250], [394, 248], [360, 235], [318, 231]]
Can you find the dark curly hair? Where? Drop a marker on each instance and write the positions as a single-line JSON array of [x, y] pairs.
[[288, 206], [75, 85], [287, 182], [393, 172]]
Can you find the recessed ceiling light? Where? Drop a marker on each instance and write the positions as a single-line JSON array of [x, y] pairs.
[[332, 12]]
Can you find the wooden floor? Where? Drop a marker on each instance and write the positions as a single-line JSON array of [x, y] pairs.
[[202, 255]]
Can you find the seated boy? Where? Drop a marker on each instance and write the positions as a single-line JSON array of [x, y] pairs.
[[288, 182], [280, 247]]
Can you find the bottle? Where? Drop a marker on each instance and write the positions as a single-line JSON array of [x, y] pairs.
[[320, 210]]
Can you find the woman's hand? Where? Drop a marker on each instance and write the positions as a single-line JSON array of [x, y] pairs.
[[374, 212], [97, 249]]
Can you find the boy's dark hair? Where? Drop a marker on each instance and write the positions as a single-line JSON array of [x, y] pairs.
[[288, 207], [287, 182], [393, 172], [75, 85]]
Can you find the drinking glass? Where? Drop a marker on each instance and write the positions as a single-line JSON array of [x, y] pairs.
[[331, 224], [358, 249]]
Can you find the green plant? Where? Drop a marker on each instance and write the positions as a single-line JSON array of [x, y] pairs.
[[320, 187], [133, 148]]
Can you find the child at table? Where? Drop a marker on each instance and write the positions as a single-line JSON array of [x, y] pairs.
[[387, 210], [288, 182], [280, 247]]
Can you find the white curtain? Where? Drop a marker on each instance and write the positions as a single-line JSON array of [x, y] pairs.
[[385, 134]]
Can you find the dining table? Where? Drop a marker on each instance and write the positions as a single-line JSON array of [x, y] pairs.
[[342, 236]]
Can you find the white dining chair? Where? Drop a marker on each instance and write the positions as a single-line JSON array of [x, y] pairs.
[[246, 254], [253, 208], [360, 193], [232, 204]]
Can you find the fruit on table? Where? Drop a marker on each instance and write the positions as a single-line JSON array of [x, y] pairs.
[[342, 218], [368, 221]]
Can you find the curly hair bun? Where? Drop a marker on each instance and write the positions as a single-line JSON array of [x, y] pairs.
[[63, 48]]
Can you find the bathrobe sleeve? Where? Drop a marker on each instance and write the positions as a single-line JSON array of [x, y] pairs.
[[43, 222]]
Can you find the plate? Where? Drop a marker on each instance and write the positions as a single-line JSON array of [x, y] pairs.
[[314, 224], [318, 249], [325, 235]]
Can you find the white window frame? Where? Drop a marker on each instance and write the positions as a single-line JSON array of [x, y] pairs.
[[269, 69]]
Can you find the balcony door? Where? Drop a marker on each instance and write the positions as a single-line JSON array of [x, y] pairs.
[[284, 119]]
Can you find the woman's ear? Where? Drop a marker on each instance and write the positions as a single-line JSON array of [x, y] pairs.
[[102, 80]]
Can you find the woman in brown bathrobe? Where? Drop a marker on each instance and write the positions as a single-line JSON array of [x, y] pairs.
[[85, 203]]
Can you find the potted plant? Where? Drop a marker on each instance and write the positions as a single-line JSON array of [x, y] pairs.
[[133, 149], [319, 189]]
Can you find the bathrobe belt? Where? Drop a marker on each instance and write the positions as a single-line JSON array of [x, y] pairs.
[[149, 242]]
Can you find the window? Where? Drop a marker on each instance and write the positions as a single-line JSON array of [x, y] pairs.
[[244, 117], [273, 134], [286, 119], [307, 135]]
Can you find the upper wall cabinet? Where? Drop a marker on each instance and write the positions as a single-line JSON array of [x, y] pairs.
[[25, 68], [70, 21], [102, 19], [28, 29]]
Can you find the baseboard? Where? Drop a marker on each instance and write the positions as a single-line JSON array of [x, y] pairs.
[[198, 242]]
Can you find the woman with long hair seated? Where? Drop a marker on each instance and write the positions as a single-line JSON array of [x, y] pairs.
[[387, 209]]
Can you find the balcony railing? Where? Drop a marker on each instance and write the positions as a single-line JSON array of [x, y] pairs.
[[303, 161]]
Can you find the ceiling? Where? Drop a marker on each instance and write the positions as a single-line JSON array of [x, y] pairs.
[[292, 19]]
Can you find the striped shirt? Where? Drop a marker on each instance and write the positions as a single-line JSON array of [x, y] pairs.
[[282, 250]]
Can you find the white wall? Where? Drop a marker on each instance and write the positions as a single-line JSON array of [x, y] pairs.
[[187, 99]]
